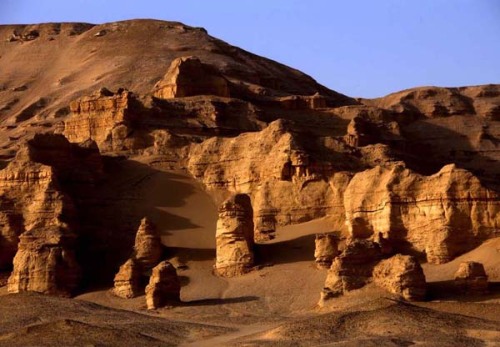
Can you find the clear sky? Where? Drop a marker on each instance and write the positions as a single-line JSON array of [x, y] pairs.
[[362, 48]]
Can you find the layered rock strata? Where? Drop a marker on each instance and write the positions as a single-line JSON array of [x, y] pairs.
[[188, 76], [45, 263], [105, 117], [147, 252], [401, 275], [148, 248], [164, 286], [471, 278], [44, 216], [441, 216], [127, 282], [234, 237], [326, 249]]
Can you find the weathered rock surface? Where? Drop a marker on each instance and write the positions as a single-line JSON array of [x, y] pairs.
[[188, 76], [148, 248], [127, 282], [104, 117], [471, 278], [42, 213], [45, 263], [402, 275], [234, 237], [146, 255], [286, 184], [352, 269], [326, 249], [164, 286], [442, 215]]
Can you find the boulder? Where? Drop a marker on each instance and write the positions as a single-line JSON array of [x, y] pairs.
[[401, 275], [234, 237], [164, 286], [471, 278]]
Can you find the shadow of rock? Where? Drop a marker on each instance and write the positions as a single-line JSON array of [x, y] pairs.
[[291, 251], [217, 301], [110, 214], [447, 290]]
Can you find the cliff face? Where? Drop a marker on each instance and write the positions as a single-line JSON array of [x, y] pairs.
[[441, 216], [42, 223]]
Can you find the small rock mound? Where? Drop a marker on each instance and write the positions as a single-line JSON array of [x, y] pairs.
[[402, 275], [471, 278], [234, 237], [164, 286]]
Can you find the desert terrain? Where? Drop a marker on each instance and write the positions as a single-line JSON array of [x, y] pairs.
[[159, 186]]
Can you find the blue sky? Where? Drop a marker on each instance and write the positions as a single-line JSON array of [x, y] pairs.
[[362, 48]]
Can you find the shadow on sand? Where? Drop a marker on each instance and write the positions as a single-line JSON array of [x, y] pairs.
[[216, 301], [447, 290]]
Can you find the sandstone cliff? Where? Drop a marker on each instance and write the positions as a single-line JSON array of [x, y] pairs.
[[441, 216]]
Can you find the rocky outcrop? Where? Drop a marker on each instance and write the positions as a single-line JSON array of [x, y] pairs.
[[127, 282], [41, 213], [286, 184], [401, 275], [104, 117], [147, 254], [148, 248], [471, 278], [164, 286], [303, 102], [188, 76], [352, 269], [427, 101], [45, 263], [234, 237], [442, 215], [326, 249]]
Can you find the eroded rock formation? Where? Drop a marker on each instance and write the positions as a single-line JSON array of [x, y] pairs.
[[147, 248], [43, 216], [326, 249], [234, 237], [188, 76], [402, 275], [471, 278], [45, 263], [442, 215], [105, 117], [146, 255], [164, 286], [352, 269], [128, 280]]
